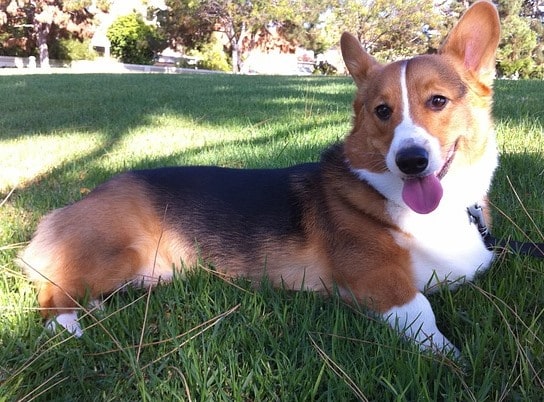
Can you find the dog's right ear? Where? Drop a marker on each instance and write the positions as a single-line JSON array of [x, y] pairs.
[[474, 40], [358, 62]]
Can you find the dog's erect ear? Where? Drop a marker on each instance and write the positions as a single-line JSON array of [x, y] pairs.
[[357, 60], [474, 40]]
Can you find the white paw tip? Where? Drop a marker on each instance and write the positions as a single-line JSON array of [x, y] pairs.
[[67, 321]]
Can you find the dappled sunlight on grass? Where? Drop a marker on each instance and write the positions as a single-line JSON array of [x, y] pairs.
[[162, 136], [521, 136], [124, 122], [24, 159]]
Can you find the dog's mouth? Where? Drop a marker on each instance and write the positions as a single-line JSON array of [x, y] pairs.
[[449, 159], [424, 193]]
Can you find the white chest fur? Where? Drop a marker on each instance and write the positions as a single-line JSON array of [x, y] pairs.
[[445, 247]]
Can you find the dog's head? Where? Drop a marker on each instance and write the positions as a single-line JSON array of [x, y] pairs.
[[420, 120]]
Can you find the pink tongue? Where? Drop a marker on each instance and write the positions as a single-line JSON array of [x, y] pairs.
[[422, 194]]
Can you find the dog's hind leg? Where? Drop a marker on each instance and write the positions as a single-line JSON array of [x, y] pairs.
[[59, 307], [65, 286], [69, 321]]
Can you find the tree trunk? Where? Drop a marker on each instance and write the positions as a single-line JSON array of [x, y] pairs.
[[239, 48], [236, 46], [42, 33], [235, 55]]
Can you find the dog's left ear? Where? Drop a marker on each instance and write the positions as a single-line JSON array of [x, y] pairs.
[[358, 62], [474, 40]]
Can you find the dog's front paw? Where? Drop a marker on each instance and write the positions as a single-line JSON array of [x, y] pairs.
[[416, 321], [67, 321], [437, 342]]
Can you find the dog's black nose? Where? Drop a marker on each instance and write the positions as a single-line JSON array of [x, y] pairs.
[[412, 160]]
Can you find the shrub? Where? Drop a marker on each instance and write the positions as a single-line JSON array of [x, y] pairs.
[[132, 40], [538, 72], [325, 68], [515, 54], [212, 56], [72, 49]]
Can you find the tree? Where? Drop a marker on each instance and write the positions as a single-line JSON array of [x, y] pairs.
[[520, 52], [180, 23], [28, 26], [237, 19], [134, 41], [515, 54], [301, 22], [391, 28], [190, 23], [516, 49]]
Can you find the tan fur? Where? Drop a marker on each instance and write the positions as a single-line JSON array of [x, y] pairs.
[[363, 251], [127, 242], [116, 235], [380, 86]]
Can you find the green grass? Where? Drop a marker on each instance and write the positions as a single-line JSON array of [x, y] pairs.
[[202, 338]]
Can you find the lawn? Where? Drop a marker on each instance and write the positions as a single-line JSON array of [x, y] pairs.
[[204, 339]]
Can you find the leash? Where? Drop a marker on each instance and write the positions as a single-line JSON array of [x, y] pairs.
[[476, 216]]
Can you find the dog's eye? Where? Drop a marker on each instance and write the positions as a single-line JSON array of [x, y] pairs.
[[383, 112], [437, 102]]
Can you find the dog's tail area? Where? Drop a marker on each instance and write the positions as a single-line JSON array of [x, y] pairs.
[[70, 258], [97, 245]]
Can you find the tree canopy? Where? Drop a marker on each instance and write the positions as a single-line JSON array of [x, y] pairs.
[[29, 27], [190, 23], [389, 29]]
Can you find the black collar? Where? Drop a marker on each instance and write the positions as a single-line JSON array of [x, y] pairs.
[[476, 216]]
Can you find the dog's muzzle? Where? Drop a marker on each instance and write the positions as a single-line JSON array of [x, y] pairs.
[[412, 161]]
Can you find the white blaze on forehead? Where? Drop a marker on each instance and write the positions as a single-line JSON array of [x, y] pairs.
[[406, 119], [422, 192], [408, 133]]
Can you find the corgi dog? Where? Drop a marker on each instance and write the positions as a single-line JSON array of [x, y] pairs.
[[380, 219]]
